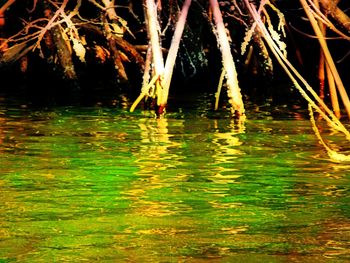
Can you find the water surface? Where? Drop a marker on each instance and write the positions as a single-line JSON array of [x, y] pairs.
[[98, 184]]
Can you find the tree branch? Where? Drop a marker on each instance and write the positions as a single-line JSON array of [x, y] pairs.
[[336, 13]]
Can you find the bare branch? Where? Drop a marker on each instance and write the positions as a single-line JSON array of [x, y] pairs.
[[6, 5]]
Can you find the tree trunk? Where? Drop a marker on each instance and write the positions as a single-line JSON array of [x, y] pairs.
[[233, 90], [153, 27], [174, 47], [336, 13], [118, 65], [63, 51]]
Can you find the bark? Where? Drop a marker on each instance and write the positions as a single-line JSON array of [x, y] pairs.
[[130, 50], [158, 62], [328, 57], [336, 13], [118, 64], [14, 53], [233, 90], [112, 46], [64, 53], [63, 50], [174, 47], [154, 37]]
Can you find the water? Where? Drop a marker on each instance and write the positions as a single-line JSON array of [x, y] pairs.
[[103, 185]]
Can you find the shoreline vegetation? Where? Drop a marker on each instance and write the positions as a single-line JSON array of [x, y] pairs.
[[143, 41], [146, 42]]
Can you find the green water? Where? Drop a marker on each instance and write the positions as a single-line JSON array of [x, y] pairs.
[[104, 185]]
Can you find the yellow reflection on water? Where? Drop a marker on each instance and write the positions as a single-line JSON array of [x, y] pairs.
[[154, 147], [154, 159], [227, 147], [234, 230], [2, 122], [152, 208]]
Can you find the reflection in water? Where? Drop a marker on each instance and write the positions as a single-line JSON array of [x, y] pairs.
[[2, 122], [96, 185], [227, 149]]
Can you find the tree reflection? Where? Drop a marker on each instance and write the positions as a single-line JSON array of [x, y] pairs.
[[227, 148], [157, 159]]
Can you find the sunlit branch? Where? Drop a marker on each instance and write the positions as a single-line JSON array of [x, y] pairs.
[[324, 71], [67, 18], [154, 53], [218, 90], [333, 92], [318, 14], [312, 36], [50, 24], [24, 34], [337, 14], [71, 28], [290, 70], [108, 6], [328, 57], [238, 19], [97, 4], [153, 32], [238, 8], [147, 73]]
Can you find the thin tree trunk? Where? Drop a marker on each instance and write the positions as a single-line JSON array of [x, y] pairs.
[[322, 61], [118, 65], [63, 50], [172, 54], [333, 92], [336, 13], [321, 75], [153, 31], [233, 90], [328, 56], [158, 62], [295, 76], [64, 54]]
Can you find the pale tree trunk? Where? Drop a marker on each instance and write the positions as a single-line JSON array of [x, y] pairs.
[[233, 90], [328, 56], [155, 51], [172, 54], [153, 31]]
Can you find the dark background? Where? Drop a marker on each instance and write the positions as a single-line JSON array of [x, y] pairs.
[[197, 68]]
